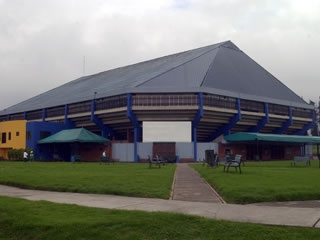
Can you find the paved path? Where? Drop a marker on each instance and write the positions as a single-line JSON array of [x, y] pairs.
[[194, 203], [189, 186], [305, 217]]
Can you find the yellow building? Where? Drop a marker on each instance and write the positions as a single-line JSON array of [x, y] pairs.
[[12, 136]]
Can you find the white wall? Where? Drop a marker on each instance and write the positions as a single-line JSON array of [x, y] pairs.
[[202, 147], [166, 131], [123, 151]]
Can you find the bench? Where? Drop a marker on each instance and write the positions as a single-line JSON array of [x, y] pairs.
[[172, 159], [236, 163], [299, 159], [106, 160], [157, 161], [76, 158]]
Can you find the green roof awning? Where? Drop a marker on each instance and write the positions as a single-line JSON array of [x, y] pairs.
[[247, 137], [74, 135]]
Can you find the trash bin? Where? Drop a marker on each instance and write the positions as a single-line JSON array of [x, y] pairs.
[[210, 158]]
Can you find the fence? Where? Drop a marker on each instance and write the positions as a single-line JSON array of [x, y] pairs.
[[124, 152]]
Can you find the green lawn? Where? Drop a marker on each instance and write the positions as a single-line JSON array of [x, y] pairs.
[[22, 219], [260, 181], [128, 179], [265, 182]]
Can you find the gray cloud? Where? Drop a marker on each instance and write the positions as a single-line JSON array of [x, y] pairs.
[[43, 42]]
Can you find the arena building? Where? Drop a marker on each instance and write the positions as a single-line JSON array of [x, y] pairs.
[[218, 89]]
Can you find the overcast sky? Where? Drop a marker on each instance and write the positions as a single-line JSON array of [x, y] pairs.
[[43, 43]]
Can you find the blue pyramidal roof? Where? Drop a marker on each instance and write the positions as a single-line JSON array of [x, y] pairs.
[[221, 69]]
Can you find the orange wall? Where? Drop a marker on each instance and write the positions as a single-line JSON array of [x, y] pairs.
[[12, 136]]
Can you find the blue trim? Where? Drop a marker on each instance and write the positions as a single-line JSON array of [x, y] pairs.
[[25, 115], [262, 122], [43, 115], [225, 129], [105, 130], [135, 124], [195, 124], [43, 151], [286, 124], [67, 122], [307, 126], [65, 113], [93, 108], [8, 117]]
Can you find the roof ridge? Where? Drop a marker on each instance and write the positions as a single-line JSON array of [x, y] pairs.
[[217, 45]]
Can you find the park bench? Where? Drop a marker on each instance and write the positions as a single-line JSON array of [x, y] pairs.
[[301, 159], [106, 159], [172, 159], [236, 163], [76, 158], [157, 161]]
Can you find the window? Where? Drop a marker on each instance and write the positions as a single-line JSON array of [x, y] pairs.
[[9, 136], [17, 134], [4, 137]]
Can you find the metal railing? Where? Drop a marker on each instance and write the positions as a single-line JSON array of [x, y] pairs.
[[55, 111], [17, 116], [301, 112], [219, 101], [111, 102], [165, 100], [278, 109], [79, 107], [34, 115], [252, 106]]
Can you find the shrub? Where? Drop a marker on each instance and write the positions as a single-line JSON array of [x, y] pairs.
[[15, 154]]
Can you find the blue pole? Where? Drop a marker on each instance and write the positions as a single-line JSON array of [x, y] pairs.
[[195, 147], [135, 124], [195, 124]]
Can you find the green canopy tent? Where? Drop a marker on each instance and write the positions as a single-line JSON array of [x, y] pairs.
[[247, 136], [73, 137], [263, 137]]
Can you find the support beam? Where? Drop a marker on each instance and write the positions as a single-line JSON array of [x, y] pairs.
[[286, 124], [225, 129], [105, 130], [307, 126], [136, 126], [44, 115], [195, 124], [67, 122], [262, 122]]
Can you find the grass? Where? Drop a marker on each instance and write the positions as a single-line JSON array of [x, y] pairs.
[[315, 150], [260, 181], [265, 182], [127, 179], [22, 219]]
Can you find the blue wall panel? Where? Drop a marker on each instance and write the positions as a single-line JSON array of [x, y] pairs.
[[35, 128]]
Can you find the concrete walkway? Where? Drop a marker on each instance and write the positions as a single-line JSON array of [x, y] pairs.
[[189, 186], [211, 208]]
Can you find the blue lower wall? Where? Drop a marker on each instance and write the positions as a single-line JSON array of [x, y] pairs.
[[35, 129]]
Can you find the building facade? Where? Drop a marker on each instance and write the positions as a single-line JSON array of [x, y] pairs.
[[218, 88]]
